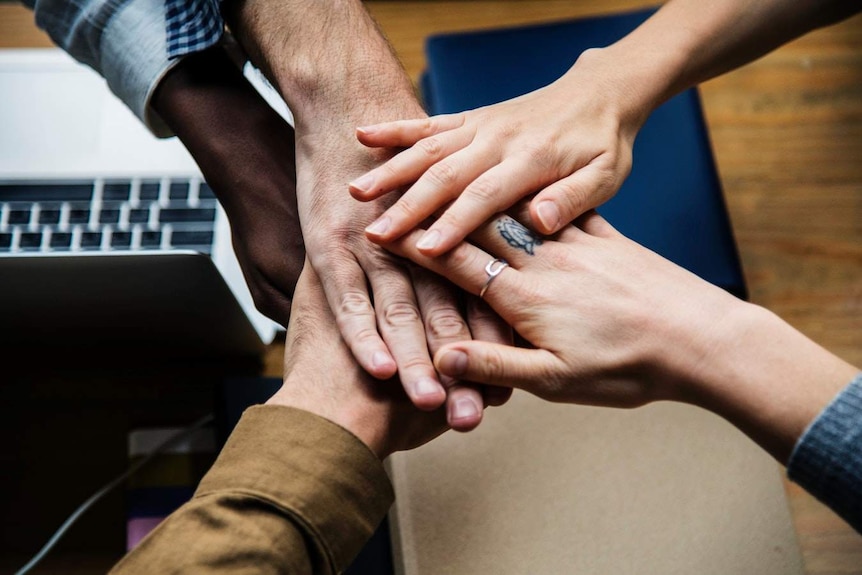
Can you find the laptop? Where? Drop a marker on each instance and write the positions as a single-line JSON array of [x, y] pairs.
[[108, 236]]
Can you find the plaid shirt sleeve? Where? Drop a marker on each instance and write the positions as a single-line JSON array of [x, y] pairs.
[[192, 26]]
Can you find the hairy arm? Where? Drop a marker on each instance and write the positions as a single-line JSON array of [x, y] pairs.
[[335, 71]]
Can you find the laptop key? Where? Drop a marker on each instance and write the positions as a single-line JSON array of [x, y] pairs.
[[91, 240], [46, 192], [30, 241], [61, 240], [149, 190], [196, 238], [79, 214], [5, 241], [19, 217], [120, 240], [179, 191], [174, 215], [139, 216], [49, 215], [116, 191], [109, 216], [151, 239]]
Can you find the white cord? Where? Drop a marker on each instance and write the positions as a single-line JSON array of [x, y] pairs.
[[168, 443]]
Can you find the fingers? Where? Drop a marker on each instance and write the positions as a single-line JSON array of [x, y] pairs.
[[404, 133], [494, 191], [439, 183], [408, 166], [486, 325], [349, 300], [561, 202], [494, 364], [444, 324], [402, 329], [464, 266]]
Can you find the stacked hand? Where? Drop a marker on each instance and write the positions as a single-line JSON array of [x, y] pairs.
[[561, 141], [377, 412], [369, 290]]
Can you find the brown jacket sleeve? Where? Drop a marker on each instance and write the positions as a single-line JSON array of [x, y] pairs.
[[291, 492]]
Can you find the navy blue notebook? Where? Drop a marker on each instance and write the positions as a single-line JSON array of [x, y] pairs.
[[671, 203]]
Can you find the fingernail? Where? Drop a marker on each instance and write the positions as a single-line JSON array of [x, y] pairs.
[[367, 130], [380, 226], [453, 363], [465, 409], [381, 360], [363, 183], [429, 240], [548, 214], [426, 386]]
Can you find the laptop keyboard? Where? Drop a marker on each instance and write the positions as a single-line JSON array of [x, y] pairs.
[[107, 215]]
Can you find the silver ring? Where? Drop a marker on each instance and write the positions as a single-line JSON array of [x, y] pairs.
[[492, 273]]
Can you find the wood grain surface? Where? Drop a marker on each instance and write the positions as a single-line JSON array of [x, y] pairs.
[[787, 136]]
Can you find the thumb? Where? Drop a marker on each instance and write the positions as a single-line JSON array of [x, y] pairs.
[[496, 364], [561, 202]]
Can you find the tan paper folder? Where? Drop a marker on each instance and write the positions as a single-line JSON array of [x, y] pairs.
[[558, 489]]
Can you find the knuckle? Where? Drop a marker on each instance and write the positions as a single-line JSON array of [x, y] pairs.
[[399, 314], [443, 174], [493, 366], [430, 147], [409, 208], [445, 324], [353, 304], [484, 191], [414, 362], [427, 125]]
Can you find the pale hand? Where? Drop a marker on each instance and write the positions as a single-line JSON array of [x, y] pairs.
[[569, 141]]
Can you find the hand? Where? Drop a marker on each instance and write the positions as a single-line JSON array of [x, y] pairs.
[[246, 153], [414, 313], [570, 141], [386, 321], [323, 378], [615, 324], [593, 303]]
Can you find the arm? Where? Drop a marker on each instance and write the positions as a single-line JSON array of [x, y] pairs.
[[245, 151], [572, 140], [299, 487], [641, 329], [334, 70]]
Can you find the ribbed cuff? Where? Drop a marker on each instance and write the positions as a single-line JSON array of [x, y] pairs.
[[827, 459], [316, 471], [134, 57]]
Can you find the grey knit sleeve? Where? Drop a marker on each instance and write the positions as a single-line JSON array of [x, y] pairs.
[[827, 459]]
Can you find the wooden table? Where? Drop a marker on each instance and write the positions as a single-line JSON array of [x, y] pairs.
[[787, 135]]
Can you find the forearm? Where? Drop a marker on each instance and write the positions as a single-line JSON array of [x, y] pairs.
[[327, 58], [231, 132], [762, 375], [689, 41], [245, 150]]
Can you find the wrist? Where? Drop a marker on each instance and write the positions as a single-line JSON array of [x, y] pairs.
[[766, 378], [368, 427]]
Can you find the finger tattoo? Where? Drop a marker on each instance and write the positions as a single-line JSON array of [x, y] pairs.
[[518, 236]]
